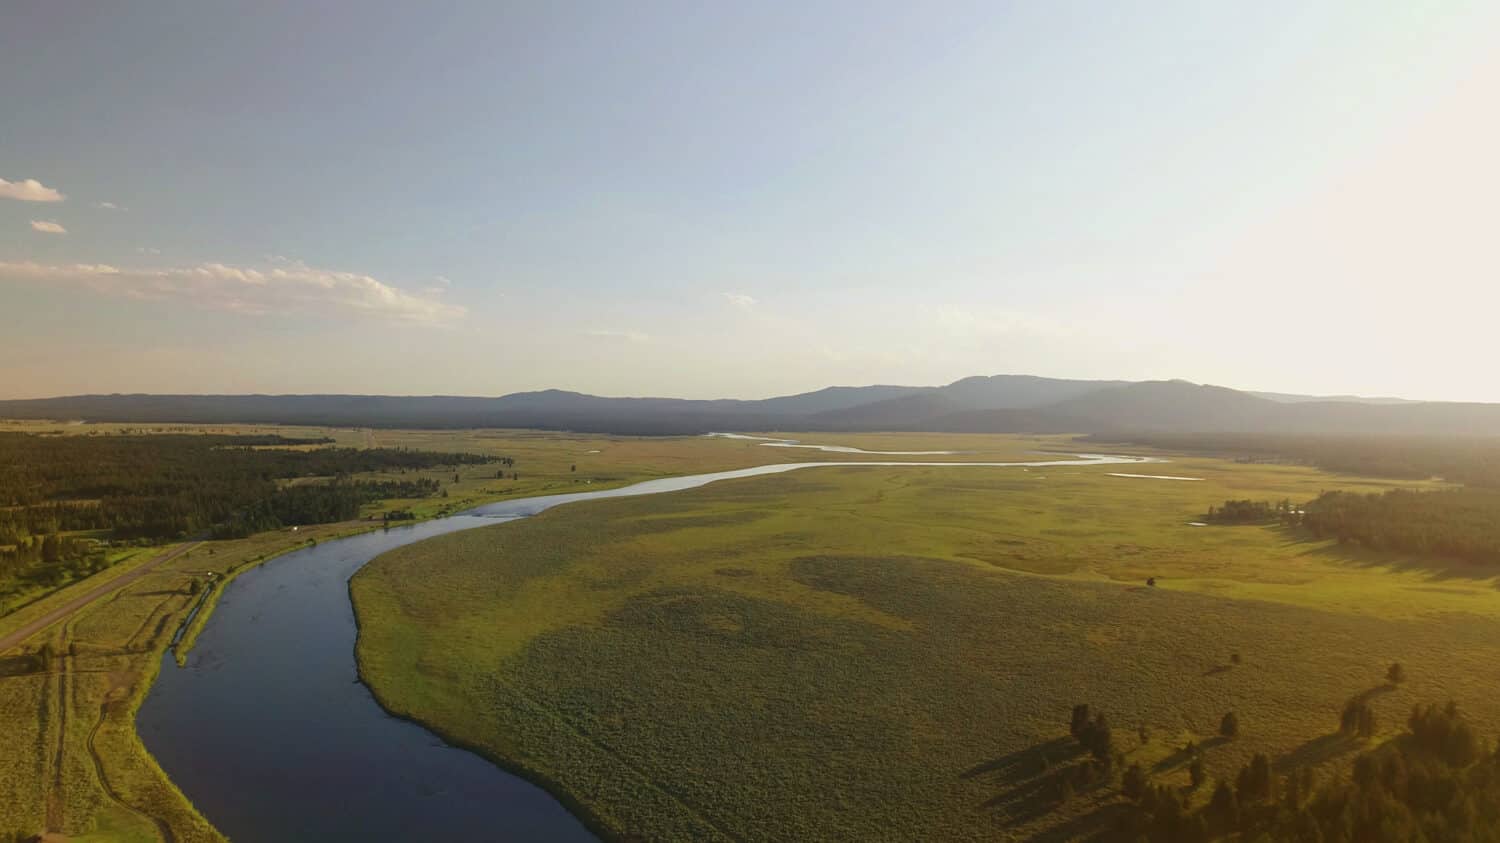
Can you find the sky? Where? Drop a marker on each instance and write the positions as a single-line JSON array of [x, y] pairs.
[[747, 199]]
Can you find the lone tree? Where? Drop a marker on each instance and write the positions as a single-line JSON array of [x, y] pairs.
[[1255, 782], [1224, 808], [1234, 658], [1396, 674], [1229, 727], [1098, 739], [1081, 718]]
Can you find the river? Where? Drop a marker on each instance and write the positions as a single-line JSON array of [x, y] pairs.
[[270, 733]]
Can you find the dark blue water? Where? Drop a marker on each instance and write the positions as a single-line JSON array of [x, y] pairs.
[[271, 735]]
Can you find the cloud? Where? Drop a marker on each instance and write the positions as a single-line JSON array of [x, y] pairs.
[[147, 250], [217, 286], [107, 206], [623, 336], [436, 287], [740, 300], [28, 190], [48, 227]]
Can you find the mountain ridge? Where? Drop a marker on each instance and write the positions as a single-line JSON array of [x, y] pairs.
[[994, 403]]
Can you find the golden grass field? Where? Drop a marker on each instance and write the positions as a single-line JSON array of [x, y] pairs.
[[892, 653]]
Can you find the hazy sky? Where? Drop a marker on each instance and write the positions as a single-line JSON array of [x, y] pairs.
[[716, 199]]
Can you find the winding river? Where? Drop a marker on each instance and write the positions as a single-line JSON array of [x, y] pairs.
[[270, 733]]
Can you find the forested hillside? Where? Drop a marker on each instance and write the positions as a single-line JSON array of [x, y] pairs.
[[1452, 523], [151, 488]]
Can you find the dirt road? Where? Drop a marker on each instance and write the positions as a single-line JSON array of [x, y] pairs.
[[66, 610]]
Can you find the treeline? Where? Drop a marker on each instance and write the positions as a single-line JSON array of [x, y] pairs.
[[1472, 461], [1455, 523], [169, 485], [1438, 781], [318, 504], [1251, 512], [50, 559], [1461, 523]]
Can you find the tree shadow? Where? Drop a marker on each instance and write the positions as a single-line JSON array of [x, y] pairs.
[[1182, 756], [1317, 751], [1436, 568], [1218, 669], [1029, 781], [20, 665], [1027, 762], [1366, 696]]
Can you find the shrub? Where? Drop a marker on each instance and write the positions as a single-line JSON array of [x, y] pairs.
[[1229, 727]]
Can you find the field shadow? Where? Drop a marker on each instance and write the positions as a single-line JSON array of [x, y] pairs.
[[1434, 568], [1028, 762], [1030, 781], [1366, 696], [1317, 751], [1182, 755], [21, 665]]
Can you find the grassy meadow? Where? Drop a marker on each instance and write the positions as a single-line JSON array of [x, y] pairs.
[[70, 761], [892, 653]]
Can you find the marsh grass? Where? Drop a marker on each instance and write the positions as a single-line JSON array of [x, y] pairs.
[[872, 653], [70, 760]]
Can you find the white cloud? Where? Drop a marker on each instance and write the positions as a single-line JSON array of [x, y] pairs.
[[107, 206], [625, 336], [48, 227], [740, 300], [28, 190], [436, 287], [217, 286], [147, 250]]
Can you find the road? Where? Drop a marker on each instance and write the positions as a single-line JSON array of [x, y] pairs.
[[66, 610]]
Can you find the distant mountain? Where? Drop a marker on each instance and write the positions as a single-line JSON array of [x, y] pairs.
[[1006, 392], [1289, 398], [1155, 405], [998, 403], [835, 398], [903, 413]]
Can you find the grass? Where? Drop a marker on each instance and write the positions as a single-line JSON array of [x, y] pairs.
[[880, 653], [19, 592], [70, 761], [572, 575]]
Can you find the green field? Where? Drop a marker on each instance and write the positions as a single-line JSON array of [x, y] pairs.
[[862, 652], [70, 761], [890, 653]]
